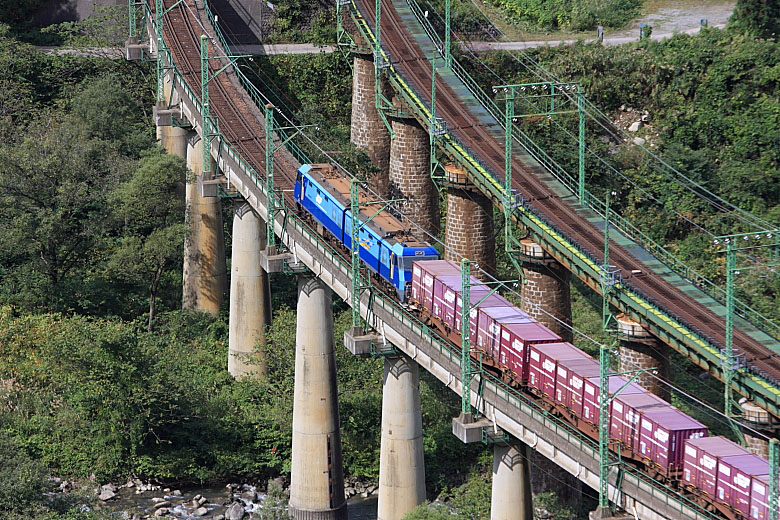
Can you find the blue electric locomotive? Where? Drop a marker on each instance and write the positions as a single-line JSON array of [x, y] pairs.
[[385, 246]]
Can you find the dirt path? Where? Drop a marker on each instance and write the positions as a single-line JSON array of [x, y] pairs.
[[666, 19]]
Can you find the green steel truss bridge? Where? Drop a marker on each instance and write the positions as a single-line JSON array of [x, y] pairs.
[[202, 87]]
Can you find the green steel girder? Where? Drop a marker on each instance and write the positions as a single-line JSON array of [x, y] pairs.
[[663, 325]]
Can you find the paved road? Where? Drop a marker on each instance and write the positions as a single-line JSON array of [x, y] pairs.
[[666, 22]]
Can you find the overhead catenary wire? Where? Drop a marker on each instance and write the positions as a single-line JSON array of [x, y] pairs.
[[327, 154]]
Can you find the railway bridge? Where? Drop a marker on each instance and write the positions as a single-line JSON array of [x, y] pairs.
[[209, 113]]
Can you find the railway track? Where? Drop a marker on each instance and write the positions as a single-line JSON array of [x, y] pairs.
[[242, 125], [410, 60], [239, 120]]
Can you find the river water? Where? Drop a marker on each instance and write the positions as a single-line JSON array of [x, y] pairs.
[[128, 502]]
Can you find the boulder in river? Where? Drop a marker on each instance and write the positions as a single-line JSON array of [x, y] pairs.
[[106, 494], [235, 512]]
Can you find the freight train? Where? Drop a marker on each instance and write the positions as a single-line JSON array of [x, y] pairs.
[[656, 437]]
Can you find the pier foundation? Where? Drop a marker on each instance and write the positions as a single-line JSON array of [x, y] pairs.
[[511, 495], [641, 350], [469, 229], [368, 131], [410, 176], [546, 291]]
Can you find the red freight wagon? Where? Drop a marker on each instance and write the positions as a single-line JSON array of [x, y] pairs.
[[517, 355], [662, 436], [542, 369], [489, 321], [446, 295], [700, 461], [626, 412], [577, 371], [591, 392], [495, 300], [735, 479], [759, 498], [423, 274]]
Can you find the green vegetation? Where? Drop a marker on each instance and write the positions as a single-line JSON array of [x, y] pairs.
[[101, 373], [759, 18], [573, 15]]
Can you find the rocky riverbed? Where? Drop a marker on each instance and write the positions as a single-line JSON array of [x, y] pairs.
[[137, 500]]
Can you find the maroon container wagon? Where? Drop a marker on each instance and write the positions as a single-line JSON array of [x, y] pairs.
[[627, 410], [591, 394], [479, 300], [489, 322], [662, 436], [577, 371], [735, 480], [759, 498], [516, 352], [701, 458], [543, 368], [423, 275]]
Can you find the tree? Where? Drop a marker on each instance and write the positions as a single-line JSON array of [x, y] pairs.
[[151, 208], [53, 184], [759, 18]]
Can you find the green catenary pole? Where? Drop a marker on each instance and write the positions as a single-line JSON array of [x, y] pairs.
[[604, 355], [356, 281], [728, 372], [158, 14], [204, 78], [432, 130], [774, 474], [581, 110], [269, 175], [465, 356], [509, 116], [131, 17], [447, 35]]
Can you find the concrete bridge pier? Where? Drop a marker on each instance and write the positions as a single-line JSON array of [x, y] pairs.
[[546, 291], [368, 130], [205, 274], [511, 494], [174, 141], [641, 350], [250, 293], [410, 177], [317, 477], [401, 465], [469, 229]]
